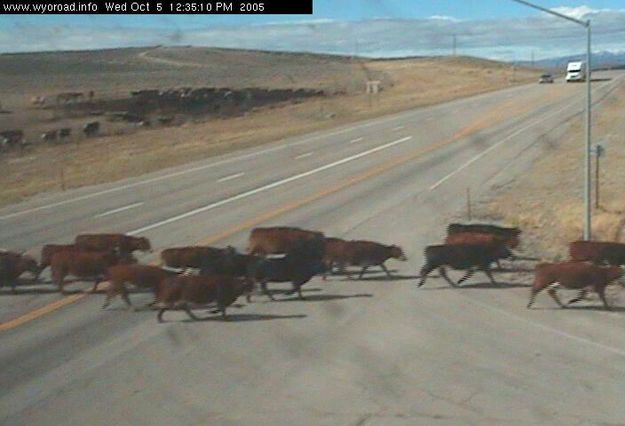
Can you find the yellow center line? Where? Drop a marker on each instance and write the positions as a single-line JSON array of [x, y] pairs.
[[493, 117]]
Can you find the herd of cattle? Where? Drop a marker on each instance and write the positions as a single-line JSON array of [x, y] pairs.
[[202, 275]]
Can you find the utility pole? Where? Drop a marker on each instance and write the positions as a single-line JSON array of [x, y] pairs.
[[587, 165]]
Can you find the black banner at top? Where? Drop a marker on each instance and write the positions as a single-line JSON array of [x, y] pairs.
[[147, 7]]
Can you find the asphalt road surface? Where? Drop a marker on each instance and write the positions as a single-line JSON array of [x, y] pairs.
[[362, 352]]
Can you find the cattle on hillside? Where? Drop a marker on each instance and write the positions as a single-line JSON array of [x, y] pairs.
[[12, 138], [573, 275], [50, 136], [65, 133], [91, 129], [185, 291], [467, 257]]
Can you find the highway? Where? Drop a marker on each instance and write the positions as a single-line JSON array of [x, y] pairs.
[[368, 352]]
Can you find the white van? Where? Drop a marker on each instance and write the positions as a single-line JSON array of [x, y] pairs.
[[576, 71]]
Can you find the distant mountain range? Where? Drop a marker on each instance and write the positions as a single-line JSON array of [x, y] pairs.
[[599, 60]]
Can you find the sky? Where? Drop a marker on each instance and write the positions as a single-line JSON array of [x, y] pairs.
[[497, 29]]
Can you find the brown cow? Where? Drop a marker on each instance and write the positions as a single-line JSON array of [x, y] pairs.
[[84, 264], [126, 244], [598, 252], [335, 249], [278, 239], [142, 276], [12, 265], [473, 237], [573, 275], [48, 250], [186, 290], [511, 235], [192, 256], [367, 253]]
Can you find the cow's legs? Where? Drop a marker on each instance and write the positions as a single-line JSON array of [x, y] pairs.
[[580, 296], [95, 285], [554, 296], [385, 269], [159, 316], [466, 276], [532, 297], [189, 312], [488, 273], [601, 291], [265, 290], [443, 272], [362, 272], [425, 270], [124, 294]]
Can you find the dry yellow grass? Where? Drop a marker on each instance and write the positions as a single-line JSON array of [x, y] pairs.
[[406, 84], [547, 201]]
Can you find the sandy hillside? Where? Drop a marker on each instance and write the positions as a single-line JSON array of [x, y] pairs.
[[127, 150]]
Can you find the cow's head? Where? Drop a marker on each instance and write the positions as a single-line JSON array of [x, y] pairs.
[[142, 244], [398, 253]]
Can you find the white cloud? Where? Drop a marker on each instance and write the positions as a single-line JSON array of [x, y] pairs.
[[505, 39], [580, 12], [444, 18]]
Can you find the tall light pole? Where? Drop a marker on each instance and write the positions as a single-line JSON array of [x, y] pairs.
[[586, 24]]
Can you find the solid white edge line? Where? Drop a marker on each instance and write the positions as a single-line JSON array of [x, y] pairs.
[[506, 139], [267, 187], [356, 140], [121, 209]]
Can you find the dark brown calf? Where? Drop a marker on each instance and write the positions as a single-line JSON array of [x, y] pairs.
[[573, 275], [368, 253], [598, 252], [142, 276], [184, 291], [12, 265]]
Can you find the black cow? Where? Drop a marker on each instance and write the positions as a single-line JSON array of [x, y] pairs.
[[469, 257], [298, 266]]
